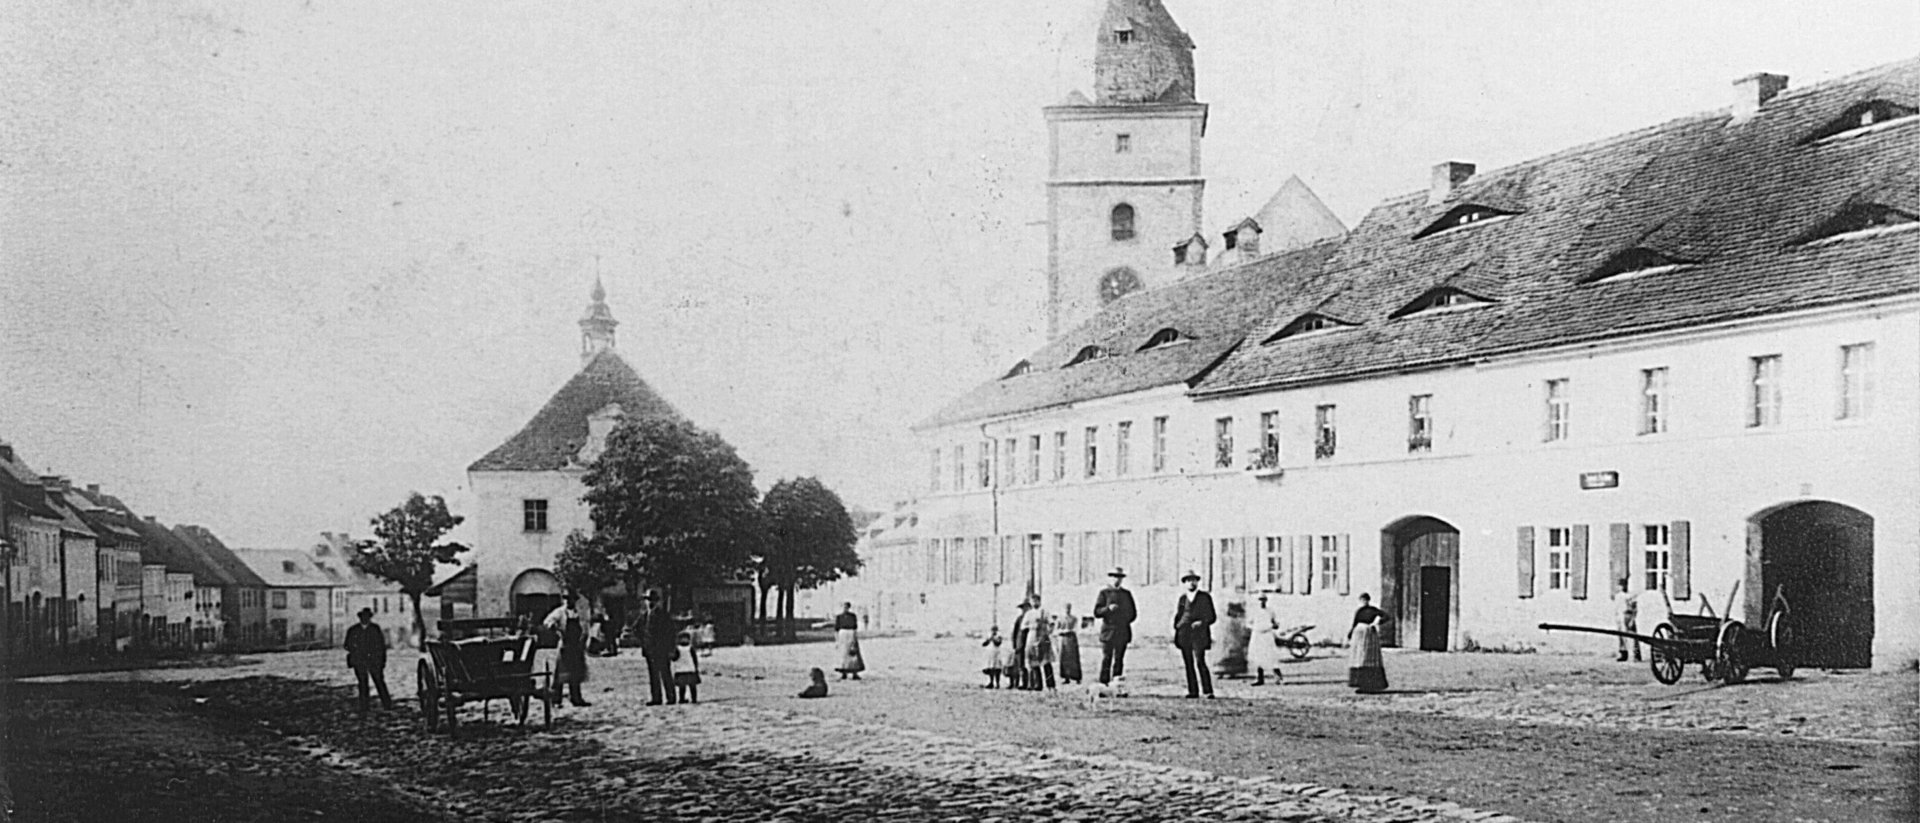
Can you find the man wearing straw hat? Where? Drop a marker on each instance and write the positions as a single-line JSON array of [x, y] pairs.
[[1114, 609]]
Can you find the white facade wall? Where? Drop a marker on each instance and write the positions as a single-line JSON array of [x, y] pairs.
[[502, 547], [83, 587], [1488, 473]]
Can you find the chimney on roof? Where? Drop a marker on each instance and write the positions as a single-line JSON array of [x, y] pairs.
[[1752, 92], [53, 482], [93, 488], [1447, 177], [152, 519], [6, 452]]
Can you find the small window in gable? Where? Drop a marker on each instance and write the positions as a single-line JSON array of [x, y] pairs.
[[1440, 298], [1163, 337], [1018, 369], [1860, 219], [1632, 263], [1462, 216], [1123, 36], [1305, 324], [1087, 353], [1862, 116], [1123, 222]]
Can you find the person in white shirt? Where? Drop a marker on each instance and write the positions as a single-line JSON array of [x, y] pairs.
[[1263, 650], [1626, 607]]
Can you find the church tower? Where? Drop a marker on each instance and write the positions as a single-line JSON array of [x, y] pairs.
[[596, 328], [1123, 184]]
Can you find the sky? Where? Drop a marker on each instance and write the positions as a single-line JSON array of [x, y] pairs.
[[269, 266]]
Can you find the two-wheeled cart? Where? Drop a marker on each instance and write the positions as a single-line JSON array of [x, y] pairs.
[[482, 669], [1725, 649]]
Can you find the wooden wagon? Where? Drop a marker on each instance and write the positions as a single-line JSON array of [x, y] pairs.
[[496, 664], [1725, 649]]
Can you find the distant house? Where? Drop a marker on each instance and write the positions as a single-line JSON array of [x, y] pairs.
[[358, 590], [41, 595], [300, 606], [242, 607], [170, 595], [78, 618]]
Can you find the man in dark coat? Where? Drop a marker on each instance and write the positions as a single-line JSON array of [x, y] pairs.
[[1114, 609], [657, 632], [367, 656], [1193, 633]]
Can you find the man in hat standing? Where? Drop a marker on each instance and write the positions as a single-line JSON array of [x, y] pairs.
[[657, 639], [367, 656], [1114, 609], [1193, 633]]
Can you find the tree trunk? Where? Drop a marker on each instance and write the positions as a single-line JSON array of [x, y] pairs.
[[419, 622], [760, 616], [788, 621]]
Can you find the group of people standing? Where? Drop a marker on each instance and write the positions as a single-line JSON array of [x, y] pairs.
[[1042, 643]]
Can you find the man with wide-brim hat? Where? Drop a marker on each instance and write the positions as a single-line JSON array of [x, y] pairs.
[[1193, 633], [1114, 609], [367, 656]]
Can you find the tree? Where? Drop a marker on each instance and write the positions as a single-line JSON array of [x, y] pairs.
[[583, 565], [673, 505], [407, 548], [810, 540]]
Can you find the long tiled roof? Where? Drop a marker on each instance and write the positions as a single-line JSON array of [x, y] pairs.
[[286, 568], [1211, 313], [160, 546], [226, 566], [1733, 202], [555, 435]]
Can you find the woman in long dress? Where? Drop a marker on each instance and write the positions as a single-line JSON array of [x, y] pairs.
[[846, 641], [1066, 639], [1263, 650], [1365, 670]]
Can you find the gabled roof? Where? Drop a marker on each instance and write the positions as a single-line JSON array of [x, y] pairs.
[[554, 436], [22, 488], [1733, 199], [227, 567], [111, 522], [286, 568], [1212, 311], [160, 546]]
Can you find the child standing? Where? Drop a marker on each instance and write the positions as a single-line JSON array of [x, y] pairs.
[[686, 668], [995, 661]]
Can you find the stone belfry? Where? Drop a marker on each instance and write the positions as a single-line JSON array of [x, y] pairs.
[[1124, 185], [596, 328]]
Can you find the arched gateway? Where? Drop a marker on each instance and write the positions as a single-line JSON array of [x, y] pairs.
[[1822, 552], [535, 592], [1420, 582]]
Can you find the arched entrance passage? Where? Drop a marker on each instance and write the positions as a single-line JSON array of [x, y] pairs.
[[1822, 552], [535, 592], [1420, 582]]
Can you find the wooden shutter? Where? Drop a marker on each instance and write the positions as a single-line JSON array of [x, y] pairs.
[[1346, 564], [1619, 555], [1251, 560], [1681, 561], [1305, 567], [1523, 554], [1578, 556], [1285, 583]]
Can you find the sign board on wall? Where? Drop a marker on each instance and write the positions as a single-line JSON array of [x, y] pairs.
[[1599, 480]]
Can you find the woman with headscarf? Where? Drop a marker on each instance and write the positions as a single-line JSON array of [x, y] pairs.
[[1365, 670], [846, 641]]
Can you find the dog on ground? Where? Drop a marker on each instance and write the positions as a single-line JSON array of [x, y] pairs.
[[1097, 692]]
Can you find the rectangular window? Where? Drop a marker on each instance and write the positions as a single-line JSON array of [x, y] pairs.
[[1094, 551], [1269, 439], [933, 564], [1856, 381], [982, 552], [933, 480], [1122, 447], [1125, 554], [1559, 558], [1763, 408], [308, 600], [307, 631], [1060, 557], [1653, 400], [1659, 557], [1559, 409], [1159, 445], [959, 468], [1093, 451], [1223, 443], [1329, 555], [1162, 557], [1033, 459], [279, 599], [1326, 432], [1122, 143], [1010, 461], [1420, 423], [1273, 563], [983, 472], [1059, 456], [533, 515]]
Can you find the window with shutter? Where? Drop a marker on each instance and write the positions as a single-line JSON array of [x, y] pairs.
[[1303, 562], [1580, 562], [1523, 555]]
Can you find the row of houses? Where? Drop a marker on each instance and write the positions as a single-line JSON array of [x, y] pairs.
[[86, 575], [1681, 357]]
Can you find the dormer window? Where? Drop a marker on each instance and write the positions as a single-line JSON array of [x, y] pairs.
[[1163, 337], [1306, 324], [1232, 239], [1122, 219], [1439, 299], [1123, 35], [1862, 219], [1122, 143], [289, 567], [1634, 262], [1018, 369], [1462, 216], [1088, 353], [1860, 117]]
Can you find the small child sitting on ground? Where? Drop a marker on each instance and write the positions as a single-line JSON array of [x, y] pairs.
[[818, 688], [995, 660]]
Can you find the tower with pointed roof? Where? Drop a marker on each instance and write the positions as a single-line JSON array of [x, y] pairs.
[[596, 328], [1124, 184]]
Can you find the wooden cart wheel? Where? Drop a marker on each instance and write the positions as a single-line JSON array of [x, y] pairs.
[[428, 693], [1665, 664], [1780, 636], [1731, 659], [1298, 646]]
